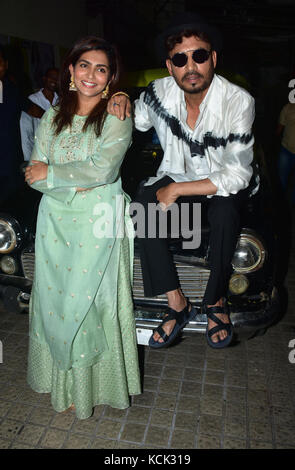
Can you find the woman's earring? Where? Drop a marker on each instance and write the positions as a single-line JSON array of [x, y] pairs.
[[72, 86], [105, 92]]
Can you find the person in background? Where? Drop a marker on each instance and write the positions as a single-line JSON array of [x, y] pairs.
[[83, 347], [12, 104], [44, 98], [286, 161]]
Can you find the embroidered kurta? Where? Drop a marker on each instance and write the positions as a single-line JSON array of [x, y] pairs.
[[81, 311]]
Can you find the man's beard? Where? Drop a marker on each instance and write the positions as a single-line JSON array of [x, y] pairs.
[[194, 89]]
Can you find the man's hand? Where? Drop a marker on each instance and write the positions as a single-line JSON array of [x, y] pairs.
[[36, 172], [119, 106], [167, 195]]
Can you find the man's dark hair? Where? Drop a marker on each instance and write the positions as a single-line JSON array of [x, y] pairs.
[[174, 39], [49, 70]]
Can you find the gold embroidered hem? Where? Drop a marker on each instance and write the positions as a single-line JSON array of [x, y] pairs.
[[110, 381], [85, 387]]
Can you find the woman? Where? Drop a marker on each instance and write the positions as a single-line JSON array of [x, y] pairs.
[[82, 334]]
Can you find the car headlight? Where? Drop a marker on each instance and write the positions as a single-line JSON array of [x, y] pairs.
[[8, 265], [249, 254], [9, 234], [238, 284]]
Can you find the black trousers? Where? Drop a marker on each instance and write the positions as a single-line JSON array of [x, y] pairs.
[[158, 270]]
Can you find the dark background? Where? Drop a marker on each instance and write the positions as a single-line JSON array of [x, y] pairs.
[[258, 35], [259, 44]]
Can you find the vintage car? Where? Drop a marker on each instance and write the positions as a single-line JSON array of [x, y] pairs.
[[252, 292]]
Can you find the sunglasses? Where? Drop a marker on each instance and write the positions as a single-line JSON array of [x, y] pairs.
[[199, 56]]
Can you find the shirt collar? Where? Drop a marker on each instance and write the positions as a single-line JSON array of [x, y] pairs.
[[40, 93], [43, 97], [212, 100]]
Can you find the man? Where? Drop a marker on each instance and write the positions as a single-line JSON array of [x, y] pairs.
[[11, 105], [44, 98], [204, 125]]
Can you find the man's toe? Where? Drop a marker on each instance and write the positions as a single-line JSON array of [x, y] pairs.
[[157, 338]]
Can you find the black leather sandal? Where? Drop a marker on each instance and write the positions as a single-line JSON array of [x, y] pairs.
[[228, 327], [182, 318]]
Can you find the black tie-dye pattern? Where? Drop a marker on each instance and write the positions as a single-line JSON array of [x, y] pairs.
[[197, 148]]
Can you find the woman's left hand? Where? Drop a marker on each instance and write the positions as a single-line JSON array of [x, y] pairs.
[[36, 172]]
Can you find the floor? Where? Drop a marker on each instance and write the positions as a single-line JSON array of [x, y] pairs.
[[194, 397]]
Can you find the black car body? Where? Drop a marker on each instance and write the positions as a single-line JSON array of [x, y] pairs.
[[252, 292]]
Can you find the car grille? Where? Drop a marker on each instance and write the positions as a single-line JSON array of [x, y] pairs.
[[193, 281], [28, 264]]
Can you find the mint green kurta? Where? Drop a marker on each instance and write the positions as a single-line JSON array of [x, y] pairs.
[[81, 311]]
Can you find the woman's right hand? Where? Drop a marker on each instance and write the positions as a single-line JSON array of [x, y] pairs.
[[36, 171]]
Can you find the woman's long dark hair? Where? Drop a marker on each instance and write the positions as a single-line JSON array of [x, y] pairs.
[[68, 100]]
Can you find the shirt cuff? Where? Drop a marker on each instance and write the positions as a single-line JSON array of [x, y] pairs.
[[69, 193], [214, 178]]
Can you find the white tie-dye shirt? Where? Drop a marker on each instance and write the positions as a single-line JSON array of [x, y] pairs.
[[220, 147]]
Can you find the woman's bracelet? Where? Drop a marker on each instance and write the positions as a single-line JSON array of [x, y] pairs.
[[120, 93]]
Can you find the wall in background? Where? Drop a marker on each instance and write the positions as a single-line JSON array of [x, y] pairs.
[[56, 22]]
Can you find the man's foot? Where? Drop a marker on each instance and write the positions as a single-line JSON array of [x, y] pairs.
[[176, 320], [219, 329], [177, 304], [224, 317]]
